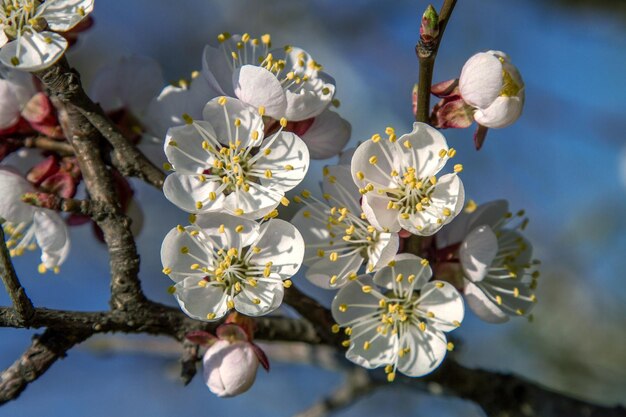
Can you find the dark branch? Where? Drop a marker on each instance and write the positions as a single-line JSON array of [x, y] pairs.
[[93, 209], [46, 144], [22, 304], [426, 53]]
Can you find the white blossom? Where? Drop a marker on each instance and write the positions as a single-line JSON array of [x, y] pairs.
[[223, 163], [399, 183], [496, 259], [221, 262], [398, 319], [287, 82], [28, 38], [339, 239], [229, 368], [28, 227], [494, 87]]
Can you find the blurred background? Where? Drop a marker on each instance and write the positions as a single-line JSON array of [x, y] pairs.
[[564, 162]]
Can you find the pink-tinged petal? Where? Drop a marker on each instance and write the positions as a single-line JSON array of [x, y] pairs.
[[230, 368], [61, 184], [37, 51], [200, 337], [446, 88], [479, 136], [327, 136], [503, 112], [482, 306], [262, 357], [481, 79], [258, 87], [477, 252], [38, 109], [452, 114], [232, 332]]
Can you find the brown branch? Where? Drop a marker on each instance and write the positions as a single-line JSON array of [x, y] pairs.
[[91, 208], [44, 351], [22, 304], [317, 314], [64, 83], [46, 144], [426, 53]]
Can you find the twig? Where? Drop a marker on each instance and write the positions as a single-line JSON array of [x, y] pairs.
[[91, 208], [44, 143], [64, 83], [40, 355], [313, 311], [426, 54], [188, 362], [358, 384], [23, 306]]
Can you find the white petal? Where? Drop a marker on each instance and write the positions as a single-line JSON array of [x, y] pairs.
[[62, 15], [384, 251], [187, 155], [185, 191], [423, 154], [257, 87], [3, 37], [200, 301], [223, 118], [308, 101], [282, 244], [180, 264], [445, 302], [503, 112], [130, 83], [427, 350], [9, 106], [12, 186], [339, 185], [286, 149], [377, 213], [488, 214], [257, 202], [351, 295], [52, 237], [22, 84], [481, 80], [327, 136], [321, 272], [482, 306], [478, 251], [314, 231], [270, 295], [406, 265], [35, 53], [217, 71], [212, 224], [377, 175], [382, 349]]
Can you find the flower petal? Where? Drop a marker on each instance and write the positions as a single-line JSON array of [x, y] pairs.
[[255, 203], [477, 252], [36, 51], [314, 232], [381, 351], [481, 80], [200, 301], [426, 351], [185, 191], [386, 157], [327, 136], [183, 148], [224, 118], [62, 15], [503, 112], [222, 228], [288, 162], [9, 106], [258, 87], [383, 252], [178, 265], [52, 237], [321, 272], [445, 302], [378, 214], [282, 245], [217, 71], [482, 306], [12, 186], [356, 302], [268, 294], [423, 153], [406, 265], [339, 186]]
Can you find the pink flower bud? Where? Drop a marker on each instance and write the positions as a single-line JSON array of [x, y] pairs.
[[429, 29], [230, 367]]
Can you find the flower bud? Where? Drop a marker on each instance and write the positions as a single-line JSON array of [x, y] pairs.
[[230, 367], [429, 29], [494, 87]]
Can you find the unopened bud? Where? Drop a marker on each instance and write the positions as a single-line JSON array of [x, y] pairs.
[[429, 29]]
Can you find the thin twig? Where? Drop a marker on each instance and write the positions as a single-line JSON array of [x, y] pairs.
[[23, 306], [44, 143], [426, 54]]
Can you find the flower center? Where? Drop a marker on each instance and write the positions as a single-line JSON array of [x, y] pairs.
[[19, 16]]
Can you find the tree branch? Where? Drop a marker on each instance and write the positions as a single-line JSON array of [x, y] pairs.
[[23, 306], [46, 144], [40, 355], [426, 53]]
